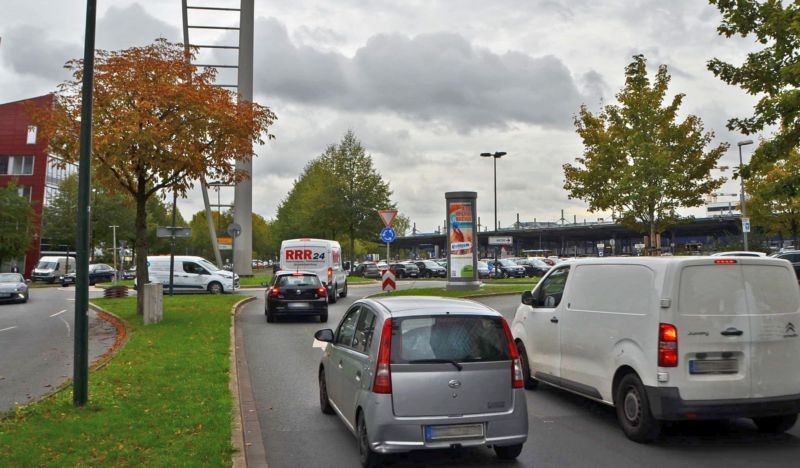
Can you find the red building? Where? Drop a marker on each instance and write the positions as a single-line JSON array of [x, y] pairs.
[[24, 158]]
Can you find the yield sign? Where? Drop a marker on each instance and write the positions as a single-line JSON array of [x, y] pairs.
[[387, 216]]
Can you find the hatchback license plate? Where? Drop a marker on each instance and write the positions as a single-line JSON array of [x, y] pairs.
[[298, 305], [454, 431], [714, 366], [5, 295]]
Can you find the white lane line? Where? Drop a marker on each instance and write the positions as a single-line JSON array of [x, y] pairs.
[[67, 324], [58, 313], [9, 328]]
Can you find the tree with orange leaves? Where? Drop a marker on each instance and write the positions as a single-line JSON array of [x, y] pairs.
[[159, 125]]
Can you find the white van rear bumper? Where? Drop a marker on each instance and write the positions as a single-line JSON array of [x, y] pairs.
[[666, 403]]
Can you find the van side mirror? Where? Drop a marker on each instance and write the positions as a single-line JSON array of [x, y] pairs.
[[325, 335], [527, 298]]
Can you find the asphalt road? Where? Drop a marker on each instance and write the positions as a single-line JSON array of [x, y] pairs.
[[37, 342], [565, 430]]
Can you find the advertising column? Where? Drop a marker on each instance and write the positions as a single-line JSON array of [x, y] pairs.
[[462, 267]]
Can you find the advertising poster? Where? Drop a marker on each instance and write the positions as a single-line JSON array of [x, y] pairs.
[[461, 239]]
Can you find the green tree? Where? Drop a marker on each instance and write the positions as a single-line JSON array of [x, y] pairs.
[[769, 204], [772, 73], [402, 224], [16, 226], [159, 124], [638, 161]]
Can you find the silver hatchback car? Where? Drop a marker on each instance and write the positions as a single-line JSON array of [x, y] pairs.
[[410, 373]]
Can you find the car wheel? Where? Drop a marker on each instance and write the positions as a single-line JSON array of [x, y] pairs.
[[215, 288], [51, 281], [64, 285], [344, 291], [324, 401], [428, 274], [332, 296], [270, 317], [367, 457], [508, 452], [775, 424], [530, 383], [323, 317], [633, 410]]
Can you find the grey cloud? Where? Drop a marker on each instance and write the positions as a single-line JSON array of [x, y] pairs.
[[432, 78], [131, 26], [29, 50]]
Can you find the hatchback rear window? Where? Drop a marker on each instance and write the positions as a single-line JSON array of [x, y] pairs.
[[461, 338], [298, 281]]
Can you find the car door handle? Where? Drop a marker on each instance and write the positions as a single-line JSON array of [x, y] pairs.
[[554, 320], [731, 331], [358, 376], [339, 365]]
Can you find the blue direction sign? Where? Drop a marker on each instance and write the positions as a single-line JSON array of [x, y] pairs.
[[388, 235]]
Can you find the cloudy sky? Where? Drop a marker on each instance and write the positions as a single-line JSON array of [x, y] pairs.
[[426, 85]]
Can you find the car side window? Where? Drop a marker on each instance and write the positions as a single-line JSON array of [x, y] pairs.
[[552, 289], [347, 329], [364, 331]]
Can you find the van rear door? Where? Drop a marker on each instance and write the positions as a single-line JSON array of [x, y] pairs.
[[774, 303], [714, 332]]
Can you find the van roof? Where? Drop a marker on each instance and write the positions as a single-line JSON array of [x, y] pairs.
[[309, 240], [663, 263]]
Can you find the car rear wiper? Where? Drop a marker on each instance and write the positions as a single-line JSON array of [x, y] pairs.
[[435, 361]]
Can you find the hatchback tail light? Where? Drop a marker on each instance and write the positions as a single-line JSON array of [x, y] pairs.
[[383, 374], [667, 345], [322, 292], [274, 291], [517, 379]]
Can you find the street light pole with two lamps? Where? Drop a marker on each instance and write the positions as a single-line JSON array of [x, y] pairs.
[[496, 155]]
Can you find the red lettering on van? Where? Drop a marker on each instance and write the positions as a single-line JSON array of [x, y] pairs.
[[289, 254]]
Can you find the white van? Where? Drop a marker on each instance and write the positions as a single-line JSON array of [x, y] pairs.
[[668, 338], [50, 268], [323, 257], [191, 273]]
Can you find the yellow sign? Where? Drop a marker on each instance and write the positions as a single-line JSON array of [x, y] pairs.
[[224, 243]]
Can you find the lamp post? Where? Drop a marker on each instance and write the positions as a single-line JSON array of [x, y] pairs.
[[114, 241], [496, 155], [741, 181]]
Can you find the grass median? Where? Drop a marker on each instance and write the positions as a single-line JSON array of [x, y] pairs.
[[163, 400]]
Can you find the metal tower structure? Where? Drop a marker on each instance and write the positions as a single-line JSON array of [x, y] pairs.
[[218, 19]]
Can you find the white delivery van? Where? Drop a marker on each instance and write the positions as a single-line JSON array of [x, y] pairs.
[[50, 268], [320, 256], [191, 273], [668, 338]]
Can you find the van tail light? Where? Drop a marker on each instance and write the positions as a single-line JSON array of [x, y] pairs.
[[667, 345], [330, 274], [517, 380], [274, 291], [322, 292], [383, 374]]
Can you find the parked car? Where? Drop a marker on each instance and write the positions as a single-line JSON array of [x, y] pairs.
[[793, 256], [505, 268], [382, 265], [367, 270], [680, 338], [98, 273], [483, 269], [191, 273], [129, 273], [296, 294], [391, 369], [51, 268], [533, 266], [13, 287], [405, 270], [430, 269]]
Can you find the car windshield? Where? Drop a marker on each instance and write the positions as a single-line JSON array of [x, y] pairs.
[[537, 262], [11, 278], [506, 262], [460, 338], [46, 265], [431, 264], [483, 265], [207, 265]]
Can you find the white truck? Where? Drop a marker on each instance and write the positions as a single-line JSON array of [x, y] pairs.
[[320, 256], [668, 338]]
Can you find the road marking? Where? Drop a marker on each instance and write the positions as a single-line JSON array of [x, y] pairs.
[[58, 313], [317, 343], [6, 329], [67, 324]]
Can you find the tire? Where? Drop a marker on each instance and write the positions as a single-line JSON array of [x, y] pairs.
[[775, 424], [633, 410], [428, 274], [215, 287], [324, 401], [332, 297], [508, 452], [270, 317], [323, 317], [530, 383], [366, 456], [344, 291]]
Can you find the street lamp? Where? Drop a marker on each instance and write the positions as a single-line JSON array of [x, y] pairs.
[[741, 181], [496, 155]]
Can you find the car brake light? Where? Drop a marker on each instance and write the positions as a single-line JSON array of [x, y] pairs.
[[330, 274], [383, 374], [667, 345], [322, 292], [517, 380], [726, 261], [274, 291]]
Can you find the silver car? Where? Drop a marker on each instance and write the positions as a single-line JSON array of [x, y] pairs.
[[410, 373], [13, 287]]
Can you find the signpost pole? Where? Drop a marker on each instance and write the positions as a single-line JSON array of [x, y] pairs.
[[172, 242]]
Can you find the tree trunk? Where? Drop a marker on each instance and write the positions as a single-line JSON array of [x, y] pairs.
[[142, 276], [652, 239], [352, 244]]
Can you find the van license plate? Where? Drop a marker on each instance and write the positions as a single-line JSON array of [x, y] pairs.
[[454, 431], [714, 366]]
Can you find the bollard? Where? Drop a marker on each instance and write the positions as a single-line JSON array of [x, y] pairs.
[[153, 303]]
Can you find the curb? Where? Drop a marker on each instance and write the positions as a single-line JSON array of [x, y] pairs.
[[246, 435], [122, 336]]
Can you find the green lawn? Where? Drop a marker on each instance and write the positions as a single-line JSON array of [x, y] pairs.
[[485, 290], [163, 400]]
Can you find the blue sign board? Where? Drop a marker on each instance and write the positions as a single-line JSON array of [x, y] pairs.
[[388, 235]]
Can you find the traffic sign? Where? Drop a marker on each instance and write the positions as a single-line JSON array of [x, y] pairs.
[[388, 235], [387, 216], [234, 229], [388, 283], [745, 224]]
